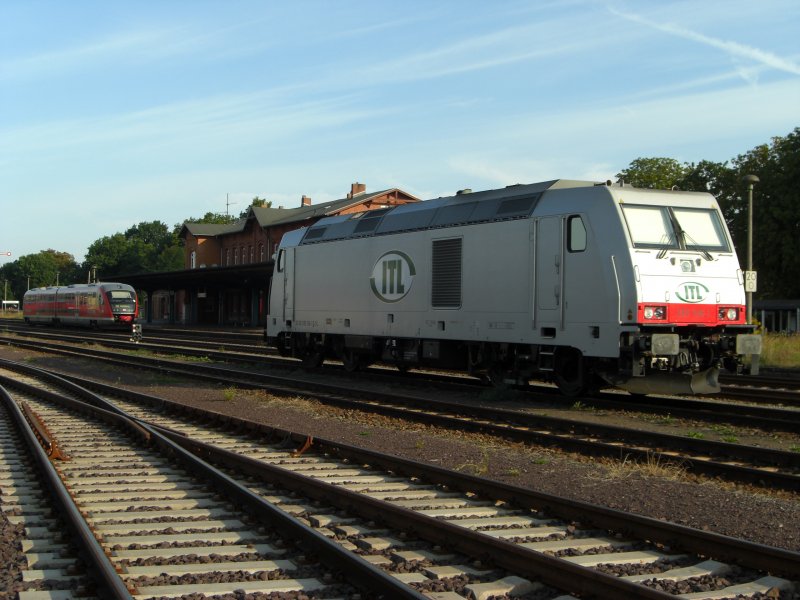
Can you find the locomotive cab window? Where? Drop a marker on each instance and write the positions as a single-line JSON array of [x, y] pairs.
[[675, 228], [576, 234], [119, 296]]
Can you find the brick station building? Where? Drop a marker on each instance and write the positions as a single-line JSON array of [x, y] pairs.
[[228, 268]]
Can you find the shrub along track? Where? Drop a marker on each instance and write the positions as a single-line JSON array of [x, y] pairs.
[[471, 516]]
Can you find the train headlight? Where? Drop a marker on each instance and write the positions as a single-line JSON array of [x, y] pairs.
[[728, 313], [658, 313]]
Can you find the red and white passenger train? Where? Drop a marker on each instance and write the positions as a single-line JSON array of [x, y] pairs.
[[94, 305]]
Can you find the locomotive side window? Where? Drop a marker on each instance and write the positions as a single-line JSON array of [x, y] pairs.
[[281, 260], [576, 234]]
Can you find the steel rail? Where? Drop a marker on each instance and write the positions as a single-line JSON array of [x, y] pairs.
[[574, 435], [331, 553], [517, 559], [730, 549], [98, 562], [754, 555], [745, 389]]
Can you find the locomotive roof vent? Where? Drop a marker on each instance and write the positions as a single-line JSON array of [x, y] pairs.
[[464, 191]]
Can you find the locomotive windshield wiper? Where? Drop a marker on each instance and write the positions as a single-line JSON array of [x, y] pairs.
[[695, 246], [667, 242]]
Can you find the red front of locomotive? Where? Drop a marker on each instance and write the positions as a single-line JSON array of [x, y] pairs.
[[121, 304]]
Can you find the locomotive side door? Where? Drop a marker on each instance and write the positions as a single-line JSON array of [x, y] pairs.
[[288, 283], [548, 276]]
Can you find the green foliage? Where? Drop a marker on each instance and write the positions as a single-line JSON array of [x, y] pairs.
[[47, 267], [654, 173], [210, 218], [256, 203], [145, 247], [776, 204]]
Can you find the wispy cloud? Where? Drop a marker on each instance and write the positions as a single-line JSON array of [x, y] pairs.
[[105, 50], [734, 49], [246, 120], [474, 52]]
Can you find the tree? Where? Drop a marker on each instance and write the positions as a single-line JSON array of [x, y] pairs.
[[654, 173], [776, 213], [211, 218], [48, 267], [145, 247], [257, 203]]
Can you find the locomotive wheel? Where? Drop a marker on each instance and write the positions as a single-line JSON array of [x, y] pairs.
[[351, 360], [314, 359], [570, 372], [497, 374]]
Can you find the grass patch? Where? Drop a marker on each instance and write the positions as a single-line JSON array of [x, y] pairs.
[[480, 468], [779, 350], [229, 394], [697, 435], [652, 466]]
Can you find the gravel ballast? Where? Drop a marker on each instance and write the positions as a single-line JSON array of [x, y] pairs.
[[761, 516]]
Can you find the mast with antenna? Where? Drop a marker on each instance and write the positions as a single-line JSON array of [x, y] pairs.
[[228, 205]]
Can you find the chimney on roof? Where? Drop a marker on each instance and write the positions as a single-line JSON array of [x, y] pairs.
[[305, 201], [356, 189]]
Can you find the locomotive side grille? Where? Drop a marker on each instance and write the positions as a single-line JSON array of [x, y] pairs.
[[446, 274]]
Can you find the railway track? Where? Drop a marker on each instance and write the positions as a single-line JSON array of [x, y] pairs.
[[777, 469], [168, 524], [241, 347], [437, 533]]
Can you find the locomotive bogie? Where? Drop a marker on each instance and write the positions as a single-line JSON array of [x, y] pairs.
[[584, 284]]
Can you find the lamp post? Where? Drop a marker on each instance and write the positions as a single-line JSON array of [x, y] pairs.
[[750, 180]]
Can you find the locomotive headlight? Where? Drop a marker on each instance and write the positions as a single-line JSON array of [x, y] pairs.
[[655, 312], [728, 313]]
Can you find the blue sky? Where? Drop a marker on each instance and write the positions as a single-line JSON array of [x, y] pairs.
[[114, 113]]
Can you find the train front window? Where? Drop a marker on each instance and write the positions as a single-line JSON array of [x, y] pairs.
[[650, 227], [674, 228], [701, 229], [120, 297]]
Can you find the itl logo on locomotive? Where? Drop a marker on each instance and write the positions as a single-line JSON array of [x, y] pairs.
[[691, 291], [392, 276]]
